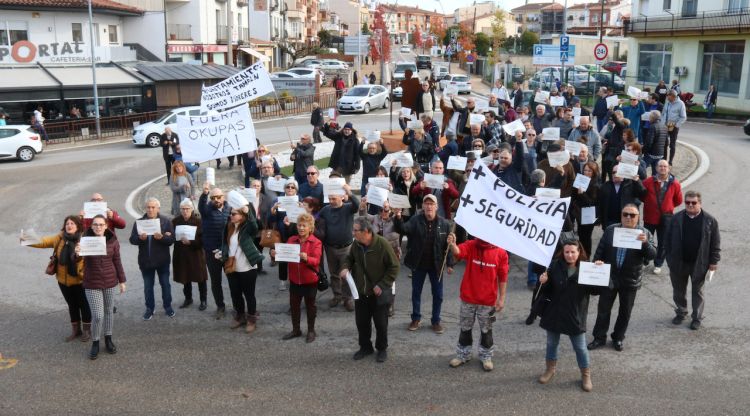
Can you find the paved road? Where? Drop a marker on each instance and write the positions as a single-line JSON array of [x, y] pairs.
[[193, 364]]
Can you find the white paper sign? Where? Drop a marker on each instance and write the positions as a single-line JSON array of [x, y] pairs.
[[287, 252], [266, 159], [456, 163], [582, 182], [646, 116], [93, 246], [556, 101], [148, 227], [634, 92], [613, 101], [558, 158], [574, 148], [710, 275], [29, 237], [250, 194], [388, 160], [92, 209], [588, 215], [404, 160], [576, 121], [551, 133], [287, 202], [332, 113], [376, 196], [626, 171], [627, 157], [238, 89], [476, 119], [547, 192], [276, 185], [211, 176], [592, 274], [215, 136], [643, 95], [236, 200], [185, 231], [352, 286], [541, 97], [380, 182], [334, 186], [576, 111], [627, 238], [512, 128], [500, 215], [415, 124], [398, 201], [294, 212], [434, 181], [450, 90], [405, 112], [373, 136]]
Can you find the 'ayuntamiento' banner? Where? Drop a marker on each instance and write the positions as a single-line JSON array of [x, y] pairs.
[[238, 89], [219, 135], [493, 211]]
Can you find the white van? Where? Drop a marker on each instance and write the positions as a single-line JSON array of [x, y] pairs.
[[149, 134]]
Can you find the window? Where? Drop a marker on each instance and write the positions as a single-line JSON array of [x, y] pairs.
[[689, 8], [738, 6], [654, 62], [12, 32], [722, 66], [112, 34], [667, 5], [77, 32], [595, 18]]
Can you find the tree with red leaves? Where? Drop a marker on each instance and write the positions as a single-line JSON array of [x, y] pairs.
[[417, 37], [379, 49]]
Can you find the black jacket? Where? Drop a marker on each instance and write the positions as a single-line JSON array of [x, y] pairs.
[[631, 272], [517, 96], [153, 253], [165, 147], [213, 221], [416, 230], [463, 118], [569, 302], [304, 157], [345, 156], [631, 192], [316, 119], [370, 163], [655, 142], [709, 251]]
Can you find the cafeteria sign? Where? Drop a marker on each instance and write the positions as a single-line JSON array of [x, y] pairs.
[[24, 52]]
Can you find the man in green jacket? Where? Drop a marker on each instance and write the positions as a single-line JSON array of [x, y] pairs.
[[374, 267]]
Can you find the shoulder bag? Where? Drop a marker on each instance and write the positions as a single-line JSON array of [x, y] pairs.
[[231, 262], [269, 237], [52, 265]]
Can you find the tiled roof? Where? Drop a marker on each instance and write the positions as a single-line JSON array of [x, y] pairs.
[[553, 6], [530, 7], [70, 4]]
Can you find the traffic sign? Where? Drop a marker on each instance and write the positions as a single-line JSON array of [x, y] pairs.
[[601, 51], [469, 58], [551, 54], [563, 56], [564, 42]]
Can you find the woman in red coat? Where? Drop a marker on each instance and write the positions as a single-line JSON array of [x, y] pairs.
[[303, 276]]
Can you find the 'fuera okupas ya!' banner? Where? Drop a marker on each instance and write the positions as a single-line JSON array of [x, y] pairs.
[[218, 135]]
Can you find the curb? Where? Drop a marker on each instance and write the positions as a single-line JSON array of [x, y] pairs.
[[704, 163]]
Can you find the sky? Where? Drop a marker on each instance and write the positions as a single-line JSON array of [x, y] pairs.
[[451, 5]]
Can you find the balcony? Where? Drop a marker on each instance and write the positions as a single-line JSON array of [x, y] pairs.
[[726, 21], [243, 34], [179, 31], [222, 34]]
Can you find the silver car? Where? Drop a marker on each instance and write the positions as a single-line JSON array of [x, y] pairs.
[[363, 98]]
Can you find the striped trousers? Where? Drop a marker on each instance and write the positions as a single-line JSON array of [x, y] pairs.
[[102, 303]]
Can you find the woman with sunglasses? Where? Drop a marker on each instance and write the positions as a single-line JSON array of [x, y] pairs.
[[281, 221], [253, 161]]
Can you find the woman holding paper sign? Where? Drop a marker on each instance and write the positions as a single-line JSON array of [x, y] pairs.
[[69, 273], [102, 275], [586, 201], [189, 259], [182, 186], [282, 223], [565, 312]]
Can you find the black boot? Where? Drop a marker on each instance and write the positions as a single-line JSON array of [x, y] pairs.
[[109, 345], [94, 350]]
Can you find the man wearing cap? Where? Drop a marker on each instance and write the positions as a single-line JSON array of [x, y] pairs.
[[444, 196], [214, 216], [633, 112], [345, 158], [425, 103], [427, 234], [673, 118]]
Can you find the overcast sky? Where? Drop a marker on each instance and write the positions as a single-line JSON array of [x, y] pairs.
[[451, 5]]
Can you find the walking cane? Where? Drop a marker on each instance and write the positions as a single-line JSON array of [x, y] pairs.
[[445, 257]]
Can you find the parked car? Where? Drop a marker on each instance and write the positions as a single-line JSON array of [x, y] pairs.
[[363, 98], [284, 75], [400, 69], [516, 74], [424, 61], [333, 64], [312, 63], [610, 80], [149, 134], [19, 141], [439, 71], [307, 73], [614, 66], [398, 92], [746, 127], [405, 49], [461, 81]]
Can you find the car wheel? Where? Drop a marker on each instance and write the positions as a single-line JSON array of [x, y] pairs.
[[386, 103], [153, 140], [367, 108], [25, 154]]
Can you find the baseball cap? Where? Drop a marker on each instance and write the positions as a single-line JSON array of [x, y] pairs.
[[430, 197]]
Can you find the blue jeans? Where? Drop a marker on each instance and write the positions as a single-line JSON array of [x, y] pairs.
[[579, 345], [417, 282], [148, 287], [710, 110]]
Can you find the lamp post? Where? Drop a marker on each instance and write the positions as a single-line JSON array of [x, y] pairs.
[[93, 73]]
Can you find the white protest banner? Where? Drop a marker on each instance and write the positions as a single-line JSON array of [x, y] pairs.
[[93, 246], [352, 286], [576, 111], [215, 136], [541, 97], [434, 181], [524, 225], [287, 252], [476, 119], [574, 148], [512, 128], [634, 92], [211, 176], [287, 202], [556, 101], [582, 182], [276, 185], [380, 182], [398, 201], [332, 113], [373, 136], [376, 196], [626, 171], [148, 227], [588, 215], [613, 101], [547, 192], [29, 237], [185, 231], [92, 209], [551, 133], [592, 274], [294, 212], [334, 186], [558, 158], [627, 238], [404, 160], [405, 112], [236, 200], [629, 158], [238, 89], [456, 163]]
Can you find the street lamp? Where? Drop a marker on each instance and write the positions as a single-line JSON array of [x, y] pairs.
[[93, 73]]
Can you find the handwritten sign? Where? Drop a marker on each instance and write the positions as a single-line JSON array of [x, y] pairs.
[[627, 238], [287, 252], [215, 136], [541, 97], [238, 89], [456, 163], [592, 274], [377, 196], [434, 181], [380, 182], [551, 133], [287, 202], [334, 186], [93, 246], [294, 212], [185, 232], [404, 160], [582, 182], [148, 227], [92, 209], [629, 158], [512, 128], [574, 148], [373, 136], [399, 201], [556, 101]]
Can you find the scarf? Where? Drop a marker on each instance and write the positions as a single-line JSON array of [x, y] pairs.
[[68, 252]]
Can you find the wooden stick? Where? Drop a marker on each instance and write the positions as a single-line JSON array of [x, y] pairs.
[[445, 257]]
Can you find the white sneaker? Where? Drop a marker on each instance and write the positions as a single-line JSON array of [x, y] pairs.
[[657, 270], [282, 285], [457, 362], [487, 364]]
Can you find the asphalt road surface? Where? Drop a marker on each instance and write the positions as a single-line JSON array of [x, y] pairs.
[[193, 364]]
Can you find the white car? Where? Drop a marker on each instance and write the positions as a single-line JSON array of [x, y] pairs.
[[363, 98], [333, 65], [460, 81], [400, 69], [440, 71], [405, 49], [149, 134], [307, 73], [19, 141], [284, 75]]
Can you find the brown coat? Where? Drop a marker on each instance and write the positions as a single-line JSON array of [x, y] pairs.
[[53, 242], [189, 261], [553, 179], [411, 88]]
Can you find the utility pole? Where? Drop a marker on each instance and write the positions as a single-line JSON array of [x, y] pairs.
[[563, 77], [93, 74], [359, 38]]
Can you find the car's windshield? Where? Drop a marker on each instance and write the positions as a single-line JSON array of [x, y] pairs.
[[164, 117], [358, 92], [460, 79], [404, 67]]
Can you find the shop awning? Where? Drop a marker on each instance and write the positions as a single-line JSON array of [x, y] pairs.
[[81, 76], [255, 53]]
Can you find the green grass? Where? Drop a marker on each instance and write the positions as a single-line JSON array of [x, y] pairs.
[[320, 164]]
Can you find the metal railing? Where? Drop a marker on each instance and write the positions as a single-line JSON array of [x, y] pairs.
[[734, 20], [179, 31], [243, 33], [222, 34]]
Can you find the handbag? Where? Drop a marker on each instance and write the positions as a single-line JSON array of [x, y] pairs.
[[323, 282], [230, 264], [269, 238], [52, 265], [541, 302]]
